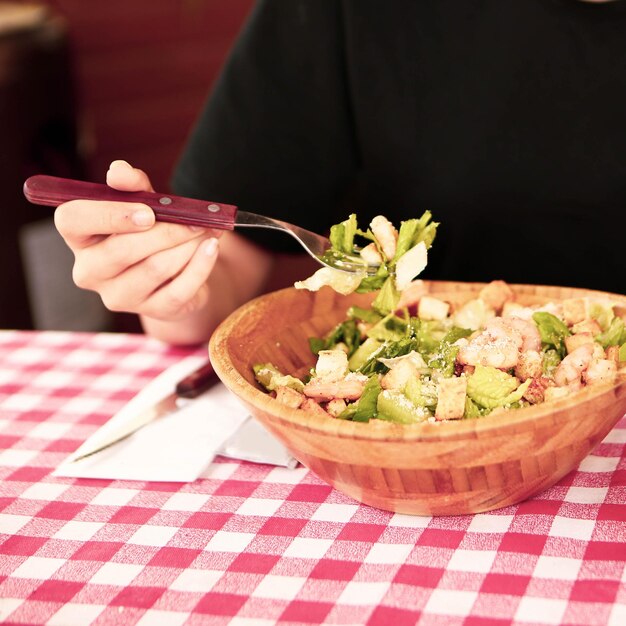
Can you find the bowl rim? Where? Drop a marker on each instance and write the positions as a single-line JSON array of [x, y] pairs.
[[379, 430]]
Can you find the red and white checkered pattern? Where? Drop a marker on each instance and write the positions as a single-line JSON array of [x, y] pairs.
[[255, 545]]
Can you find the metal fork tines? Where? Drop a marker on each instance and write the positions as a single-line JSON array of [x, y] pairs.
[[316, 245]]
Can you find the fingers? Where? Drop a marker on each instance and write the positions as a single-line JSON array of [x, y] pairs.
[[115, 254], [125, 177], [167, 285], [159, 270], [83, 222]]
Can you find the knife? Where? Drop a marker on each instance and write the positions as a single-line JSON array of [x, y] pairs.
[[199, 381]]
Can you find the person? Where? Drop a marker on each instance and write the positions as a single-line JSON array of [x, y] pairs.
[[505, 120]]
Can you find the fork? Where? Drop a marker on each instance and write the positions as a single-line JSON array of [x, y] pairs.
[[52, 191]]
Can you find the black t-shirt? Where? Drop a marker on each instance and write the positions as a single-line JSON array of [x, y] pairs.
[[507, 120]]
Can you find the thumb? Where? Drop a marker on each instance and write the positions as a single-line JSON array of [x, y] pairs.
[[124, 177]]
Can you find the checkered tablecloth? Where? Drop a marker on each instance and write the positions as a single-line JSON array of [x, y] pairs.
[[259, 545]]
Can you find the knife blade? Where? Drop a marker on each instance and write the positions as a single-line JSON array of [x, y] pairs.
[[191, 386]]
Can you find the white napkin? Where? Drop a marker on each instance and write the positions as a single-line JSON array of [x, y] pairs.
[[253, 442], [179, 446]]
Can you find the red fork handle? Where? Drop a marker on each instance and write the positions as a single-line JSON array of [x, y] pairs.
[[52, 191]]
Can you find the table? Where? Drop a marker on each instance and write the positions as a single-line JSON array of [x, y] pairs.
[[258, 545]]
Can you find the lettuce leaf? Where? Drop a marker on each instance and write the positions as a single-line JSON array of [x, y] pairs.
[[551, 360], [443, 356], [345, 332], [552, 330], [429, 334], [387, 351], [270, 377], [375, 282], [365, 408], [490, 387], [342, 282], [389, 328], [612, 336], [342, 235], [387, 298], [394, 406], [602, 312], [473, 411], [422, 392], [413, 231], [364, 315]]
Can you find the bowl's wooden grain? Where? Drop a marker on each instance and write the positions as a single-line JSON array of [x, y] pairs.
[[424, 469]]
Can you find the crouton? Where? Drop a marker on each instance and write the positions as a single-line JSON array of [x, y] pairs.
[[313, 407], [496, 294], [451, 402], [587, 326], [600, 371], [430, 308], [331, 365], [529, 365], [336, 407], [556, 393], [574, 310], [398, 376], [573, 341], [612, 353], [535, 392], [289, 396]]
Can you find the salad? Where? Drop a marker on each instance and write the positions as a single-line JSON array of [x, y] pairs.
[[412, 357]]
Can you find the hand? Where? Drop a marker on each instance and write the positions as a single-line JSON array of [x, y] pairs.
[[158, 270]]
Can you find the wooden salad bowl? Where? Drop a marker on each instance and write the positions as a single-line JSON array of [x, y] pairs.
[[446, 468]]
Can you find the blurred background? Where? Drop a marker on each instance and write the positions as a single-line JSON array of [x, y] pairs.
[[81, 84]]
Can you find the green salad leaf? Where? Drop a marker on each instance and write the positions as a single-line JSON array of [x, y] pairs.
[[387, 298], [389, 328], [422, 392], [346, 333], [366, 406], [612, 336], [443, 356], [552, 330], [270, 377], [412, 231], [342, 235], [364, 315], [388, 350], [551, 360], [602, 312], [429, 334], [490, 387]]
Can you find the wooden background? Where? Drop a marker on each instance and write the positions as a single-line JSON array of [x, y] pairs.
[[143, 68]]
